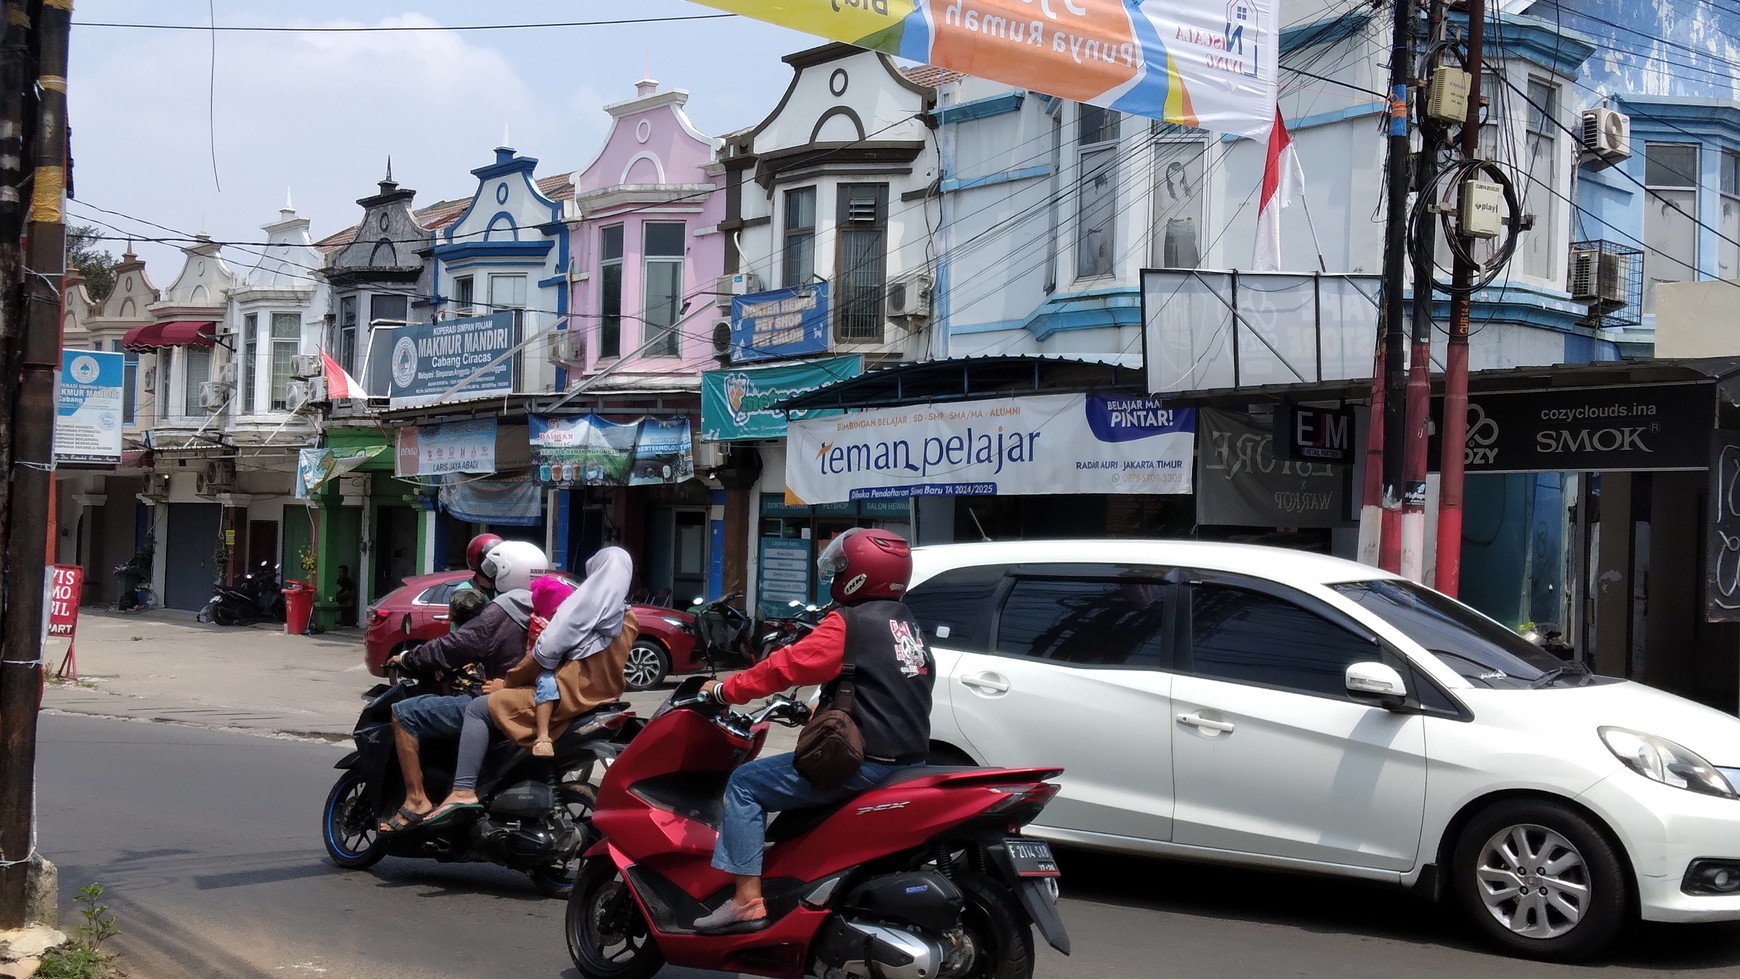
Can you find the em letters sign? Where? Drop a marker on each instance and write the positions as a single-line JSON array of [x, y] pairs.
[[1315, 434]]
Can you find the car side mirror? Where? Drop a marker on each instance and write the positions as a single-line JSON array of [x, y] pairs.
[[1378, 684]]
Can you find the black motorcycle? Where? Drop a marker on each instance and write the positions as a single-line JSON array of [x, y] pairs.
[[722, 632], [781, 631], [536, 814], [256, 598]]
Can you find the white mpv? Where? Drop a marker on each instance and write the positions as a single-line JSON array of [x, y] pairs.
[[1281, 709]]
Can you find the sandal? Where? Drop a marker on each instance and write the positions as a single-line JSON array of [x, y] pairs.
[[445, 813], [401, 821], [543, 748]]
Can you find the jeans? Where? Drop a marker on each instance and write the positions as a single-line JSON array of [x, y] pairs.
[[773, 785], [431, 716]]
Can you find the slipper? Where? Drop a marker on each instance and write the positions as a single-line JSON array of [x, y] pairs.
[[543, 749], [443, 814], [401, 821]]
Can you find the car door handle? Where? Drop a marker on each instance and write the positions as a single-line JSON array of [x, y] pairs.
[[440, 618], [986, 681], [1198, 721]]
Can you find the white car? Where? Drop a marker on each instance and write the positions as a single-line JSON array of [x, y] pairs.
[[1281, 709]]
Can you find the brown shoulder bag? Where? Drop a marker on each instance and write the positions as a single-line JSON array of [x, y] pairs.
[[830, 750]]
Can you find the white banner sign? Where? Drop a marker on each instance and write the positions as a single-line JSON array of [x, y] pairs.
[[88, 419], [1060, 443]]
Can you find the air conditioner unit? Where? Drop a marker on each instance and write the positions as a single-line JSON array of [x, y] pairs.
[[1606, 134], [301, 394], [909, 297], [307, 365], [213, 395], [1597, 276], [226, 374], [711, 455], [722, 337], [740, 284], [219, 477], [568, 348]]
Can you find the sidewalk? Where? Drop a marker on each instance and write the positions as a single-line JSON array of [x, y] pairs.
[[164, 667]]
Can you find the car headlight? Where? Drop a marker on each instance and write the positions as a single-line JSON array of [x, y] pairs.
[[1660, 760], [679, 623]]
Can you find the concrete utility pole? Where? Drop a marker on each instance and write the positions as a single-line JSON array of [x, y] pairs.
[[31, 346], [1393, 379], [1447, 575]]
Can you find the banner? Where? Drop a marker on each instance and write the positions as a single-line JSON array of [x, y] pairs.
[[664, 452], [316, 467], [517, 502], [592, 451], [739, 404], [1638, 428], [1061, 443], [434, 362], [65, 591], [780, 323], [453, 447], [1243, 484], [1209, 64], [87, 424]]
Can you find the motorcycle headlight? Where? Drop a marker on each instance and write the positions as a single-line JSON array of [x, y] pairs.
[[1660, 760]]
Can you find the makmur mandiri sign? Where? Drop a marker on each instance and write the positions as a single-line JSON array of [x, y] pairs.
[[1061, 443], [457, 359]]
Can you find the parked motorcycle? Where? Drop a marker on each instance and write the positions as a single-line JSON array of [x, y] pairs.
[[722, 632], [782, 631], [535, 815], [256, 598], [926, 875]]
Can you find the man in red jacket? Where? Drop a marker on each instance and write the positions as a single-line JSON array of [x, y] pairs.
[[893, 673]]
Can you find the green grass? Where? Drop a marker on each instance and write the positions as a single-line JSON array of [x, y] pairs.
[[83, 957]]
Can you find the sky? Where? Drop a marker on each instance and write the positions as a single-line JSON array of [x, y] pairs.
[[316, 115]]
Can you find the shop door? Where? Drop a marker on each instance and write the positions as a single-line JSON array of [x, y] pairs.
[[395, 551], [262, 544], [193, 536], [689, 553]]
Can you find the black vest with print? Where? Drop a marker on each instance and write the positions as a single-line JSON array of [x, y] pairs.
[[892, 680]]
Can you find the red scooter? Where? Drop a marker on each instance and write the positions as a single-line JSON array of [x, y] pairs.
[[925, 876]]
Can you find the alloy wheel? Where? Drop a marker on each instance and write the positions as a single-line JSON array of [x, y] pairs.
[[645, 667], [1534, 881]]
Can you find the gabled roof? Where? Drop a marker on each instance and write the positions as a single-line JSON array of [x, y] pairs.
[[557, 187]]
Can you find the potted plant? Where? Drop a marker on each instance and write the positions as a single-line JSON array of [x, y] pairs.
[[132, 575], [310, 562]]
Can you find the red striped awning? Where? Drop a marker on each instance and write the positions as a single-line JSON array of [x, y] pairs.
[[177, 333]]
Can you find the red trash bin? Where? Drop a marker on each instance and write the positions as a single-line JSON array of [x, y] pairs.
[[298, 607]]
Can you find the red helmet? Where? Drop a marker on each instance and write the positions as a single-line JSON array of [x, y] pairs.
[[478, 547], [866, 565]]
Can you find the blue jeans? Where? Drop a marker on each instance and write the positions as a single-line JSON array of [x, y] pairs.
[[431, 715], [773, 785]]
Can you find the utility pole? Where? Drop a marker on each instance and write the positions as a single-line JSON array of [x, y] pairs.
[[1393, 379], [32, 353], [1447, 575], [1424, 262]]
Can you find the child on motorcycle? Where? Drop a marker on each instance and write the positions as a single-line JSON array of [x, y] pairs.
[[548, 593]]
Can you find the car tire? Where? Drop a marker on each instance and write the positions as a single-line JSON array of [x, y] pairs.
[[949, 756], [1566, 903], [647, 666]]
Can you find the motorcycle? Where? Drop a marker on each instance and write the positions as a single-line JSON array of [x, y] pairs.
[[925, 876], [256, 599], [535, 815], [722, 632], [779, 632]]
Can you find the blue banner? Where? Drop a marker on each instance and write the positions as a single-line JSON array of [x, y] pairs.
[[663, 452], [87, 425], [511, 502], [739, 404], [780, 323], [433, 362]]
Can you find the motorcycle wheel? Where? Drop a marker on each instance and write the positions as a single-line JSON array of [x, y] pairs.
[[579, 798], [1001, 936], [348, 824], [608, 937], [222, 614]]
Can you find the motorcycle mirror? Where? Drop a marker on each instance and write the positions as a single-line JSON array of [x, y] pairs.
[[809, 608], [794, 603]]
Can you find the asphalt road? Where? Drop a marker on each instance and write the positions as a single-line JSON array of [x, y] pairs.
[[208, 843]]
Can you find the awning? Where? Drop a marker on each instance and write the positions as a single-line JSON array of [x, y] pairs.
[[177, 333], [968, 378]]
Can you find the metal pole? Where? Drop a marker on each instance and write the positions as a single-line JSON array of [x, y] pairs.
[[1447, 576], [1419, 399], [37, 346], [1394, 378]]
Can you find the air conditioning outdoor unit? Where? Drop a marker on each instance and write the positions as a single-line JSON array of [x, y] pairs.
[[568, 348], [711, 455], [307, 365], [219, 477], [1596, 276], [740, 284], [226, 374], [213, 395], [909, 297], [722, 337], [1606, 135], [301, 394]]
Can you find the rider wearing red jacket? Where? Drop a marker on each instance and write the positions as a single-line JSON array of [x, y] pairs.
[[893, 673]]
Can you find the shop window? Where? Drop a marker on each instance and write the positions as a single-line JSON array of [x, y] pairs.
[[955, 607], [1084, 622], [610, 283], [129, 383], [1249, 637], [1054, 209], [662, 259], [1541, 246], [197, 370], [344, 344], [249, 366], [286, 340], [1670, 212], [1096, 190], [464, 295], [862, 260], [391, 309], [799, 264], [1175, 236]]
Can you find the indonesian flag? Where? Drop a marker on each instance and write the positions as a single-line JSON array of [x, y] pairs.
[[339, 383], [1282, 178]]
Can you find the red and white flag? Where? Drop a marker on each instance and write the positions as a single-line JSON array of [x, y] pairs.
[[339, 383], [1282, 179]]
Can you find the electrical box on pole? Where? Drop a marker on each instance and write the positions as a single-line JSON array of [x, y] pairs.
[[1447, 94], [1482, 209]]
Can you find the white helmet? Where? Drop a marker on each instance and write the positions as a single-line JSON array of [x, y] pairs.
[[509, 566]]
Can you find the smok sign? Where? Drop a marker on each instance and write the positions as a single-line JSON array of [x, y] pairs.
[[1591, 429], [1315, 434]]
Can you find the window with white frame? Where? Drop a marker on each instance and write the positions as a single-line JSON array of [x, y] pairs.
[[1728, 222], [250, 364], [799, 263], [286, 340], [1096, 190], [508, 293], [1175, 235], [610, 289], [129, 382], [196, 371], [1539, 247], [464, 295], [1053, 209], [1670, 211], [662, 287], [344, 345], [861, 261]]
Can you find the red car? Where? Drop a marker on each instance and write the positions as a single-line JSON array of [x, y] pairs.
[[417, 612]]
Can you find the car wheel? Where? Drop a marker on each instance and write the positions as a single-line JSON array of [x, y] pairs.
[[1539, 879], [949, 756], [647, 665]]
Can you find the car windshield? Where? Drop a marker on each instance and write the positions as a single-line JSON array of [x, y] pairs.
[[1477, 648]]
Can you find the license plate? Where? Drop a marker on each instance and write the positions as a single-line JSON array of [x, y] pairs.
[[1031, 858]]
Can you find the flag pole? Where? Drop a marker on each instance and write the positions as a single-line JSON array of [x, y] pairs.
[[1305, 203]]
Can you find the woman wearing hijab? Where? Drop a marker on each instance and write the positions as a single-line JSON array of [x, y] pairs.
[[584, 647]]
